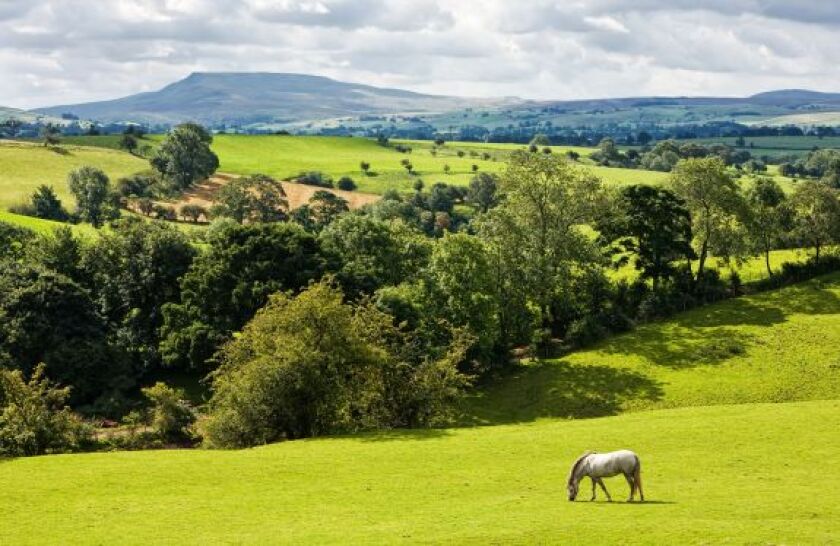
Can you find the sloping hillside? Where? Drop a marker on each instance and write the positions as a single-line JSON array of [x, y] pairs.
[[771, 347], [745, 474]]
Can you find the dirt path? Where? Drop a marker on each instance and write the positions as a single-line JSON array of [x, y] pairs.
[[297, 194]]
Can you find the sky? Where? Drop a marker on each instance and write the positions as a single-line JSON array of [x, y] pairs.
[[68, 51]]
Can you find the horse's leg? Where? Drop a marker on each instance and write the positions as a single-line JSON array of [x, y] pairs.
[[604, 487], [632, 485], [593, 488]]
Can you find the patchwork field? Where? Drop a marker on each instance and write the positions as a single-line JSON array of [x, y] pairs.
[[771, 347], [728, 474]]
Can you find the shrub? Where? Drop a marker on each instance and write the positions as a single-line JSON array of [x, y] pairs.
[[34, 419], [313, 365], [193, 213], [172, 415], [314, 178], [346, 183]]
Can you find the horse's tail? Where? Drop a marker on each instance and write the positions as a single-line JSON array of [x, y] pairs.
[[637, 477]]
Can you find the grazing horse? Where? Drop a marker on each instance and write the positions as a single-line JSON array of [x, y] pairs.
[[606, 465]]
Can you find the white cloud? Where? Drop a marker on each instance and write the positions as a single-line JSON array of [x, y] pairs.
[[63, 51]]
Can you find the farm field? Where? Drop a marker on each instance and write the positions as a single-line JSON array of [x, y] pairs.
[[770, 347], [742, 474], [24, 166], [774, 146]]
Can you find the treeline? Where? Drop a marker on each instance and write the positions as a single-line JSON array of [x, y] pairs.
[[372, 318]]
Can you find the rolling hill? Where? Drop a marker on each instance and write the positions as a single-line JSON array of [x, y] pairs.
[[247, 98]]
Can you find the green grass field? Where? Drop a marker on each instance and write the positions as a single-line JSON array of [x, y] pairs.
[[771, 347], [25, 166], [748, 474], [285, 156]]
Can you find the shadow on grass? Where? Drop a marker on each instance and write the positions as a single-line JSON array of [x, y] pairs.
[[401, 435], [558, 389], [627, 503], [712, 334]]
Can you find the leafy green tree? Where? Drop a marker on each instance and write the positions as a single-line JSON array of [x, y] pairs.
[[816, 215], [326, 206], [483, 194], [716, 206], [255, 198], [128, 142], [372, 253], [346, 183], [185, 157], [540, 140], [50, 135], [132, 271], [769, 217], [46, 317], [231, 280], [46, 204], [365, 166], [547, 201], [654, 226], [193, 212], [440, 198], [312, 365], [34, 419], [58, 251], [172, 415], [13, 241], [92, 190], [462, 289]]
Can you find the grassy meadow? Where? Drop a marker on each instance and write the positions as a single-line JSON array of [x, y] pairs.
[[747, 474], [25, 166], [770, 347]]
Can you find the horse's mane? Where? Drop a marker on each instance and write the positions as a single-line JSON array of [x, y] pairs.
[[577, 464]]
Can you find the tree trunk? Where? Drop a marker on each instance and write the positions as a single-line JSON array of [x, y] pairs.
[[701, 263], [767, 263]]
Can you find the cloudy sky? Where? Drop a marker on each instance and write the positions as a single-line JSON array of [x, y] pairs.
[[66, 51]]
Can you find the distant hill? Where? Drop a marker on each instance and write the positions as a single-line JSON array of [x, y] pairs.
[[249, 98], [314, 104]]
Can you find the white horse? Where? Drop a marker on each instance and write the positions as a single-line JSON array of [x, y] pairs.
[[606, 465]]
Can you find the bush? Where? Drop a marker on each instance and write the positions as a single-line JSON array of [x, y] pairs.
[[172, 415], [346, 183], [34, 419], [314, 178], [313, 365]]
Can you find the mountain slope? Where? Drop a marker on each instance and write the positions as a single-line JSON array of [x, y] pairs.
[[243, 98]]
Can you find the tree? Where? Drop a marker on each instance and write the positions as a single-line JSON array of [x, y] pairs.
[[312, 365], [365, 166], [233, 278], [92, 190], [769, 218], [483, 192], [58, 251], [34, 419], [46, 204], [540, 140], [193, 212], [346, 183], [373, 253], [716, 206], [47, 318], [172, 415], [654, 225], [462, 289], [50, 135], [446, 168], [547, 200], [132, 271], [14, 241], [128, 143], [326, 206], [816, 215], [440, 198], [184, 157], [255, 198]]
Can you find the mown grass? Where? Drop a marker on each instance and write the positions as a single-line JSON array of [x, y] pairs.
[[24, 166], [770, 347], [748, 474]]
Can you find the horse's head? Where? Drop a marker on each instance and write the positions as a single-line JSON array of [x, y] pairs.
[[572, 488]]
